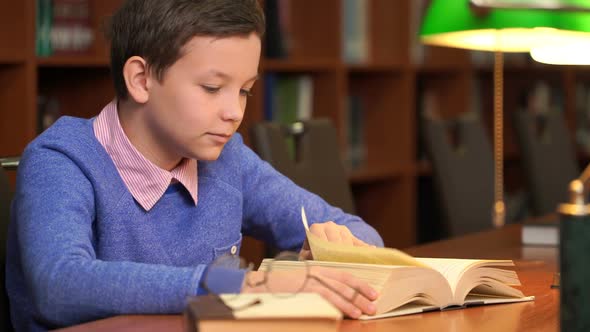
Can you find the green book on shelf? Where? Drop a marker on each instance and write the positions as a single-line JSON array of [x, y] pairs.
[[43, 26], [285, 106]]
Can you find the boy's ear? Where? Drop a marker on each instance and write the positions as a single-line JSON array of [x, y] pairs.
[[135, 73]]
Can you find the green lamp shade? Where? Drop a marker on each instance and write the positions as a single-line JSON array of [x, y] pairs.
[[566, 51], [570, 49], [457, 23]]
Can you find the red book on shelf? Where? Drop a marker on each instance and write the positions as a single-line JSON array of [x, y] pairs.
[[71, 31]]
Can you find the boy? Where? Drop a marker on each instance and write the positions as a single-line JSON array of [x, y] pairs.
[[123, 213]]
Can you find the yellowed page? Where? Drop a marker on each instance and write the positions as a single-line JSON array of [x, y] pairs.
[[375, 275], [323, 250]]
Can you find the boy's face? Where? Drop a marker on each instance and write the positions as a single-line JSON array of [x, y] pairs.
[[200, 102]]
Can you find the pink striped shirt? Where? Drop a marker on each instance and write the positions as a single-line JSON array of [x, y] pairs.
[[146, 181]]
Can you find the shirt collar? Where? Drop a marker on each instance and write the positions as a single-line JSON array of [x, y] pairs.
[[146, 181]]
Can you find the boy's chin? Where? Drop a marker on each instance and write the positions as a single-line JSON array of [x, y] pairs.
[[210, 155]]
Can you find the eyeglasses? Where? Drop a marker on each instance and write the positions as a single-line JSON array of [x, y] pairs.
[[215, 305]]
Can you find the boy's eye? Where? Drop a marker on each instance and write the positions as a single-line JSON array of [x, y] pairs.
[[210, 89], [246, 93]]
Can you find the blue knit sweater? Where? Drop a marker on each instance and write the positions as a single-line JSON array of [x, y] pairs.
[[81, 248]]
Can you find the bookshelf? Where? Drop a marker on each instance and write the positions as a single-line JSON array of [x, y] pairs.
[[390, 84]]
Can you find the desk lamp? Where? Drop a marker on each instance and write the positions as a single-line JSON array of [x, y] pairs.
[[497, 26], [573, 48], [574, 234]]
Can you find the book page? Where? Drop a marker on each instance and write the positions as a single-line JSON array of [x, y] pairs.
[[464, 275], [323, 250], [374, 275], [335, 252], [451, 269]]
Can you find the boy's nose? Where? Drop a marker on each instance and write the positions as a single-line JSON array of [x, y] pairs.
[[233, 110]]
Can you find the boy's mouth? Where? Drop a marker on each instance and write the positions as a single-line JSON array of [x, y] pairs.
[[220, 137]]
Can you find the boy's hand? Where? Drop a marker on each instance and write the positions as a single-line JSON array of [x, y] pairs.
[[350, 295], [332, 232]]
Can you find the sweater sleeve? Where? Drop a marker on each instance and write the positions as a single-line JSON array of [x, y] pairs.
[[55, 210], [272, 207]]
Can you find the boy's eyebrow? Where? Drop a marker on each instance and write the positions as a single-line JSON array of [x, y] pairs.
[[225, 76], [254, 78]]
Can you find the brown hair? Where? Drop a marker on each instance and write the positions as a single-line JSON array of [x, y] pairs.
[[156, 30]]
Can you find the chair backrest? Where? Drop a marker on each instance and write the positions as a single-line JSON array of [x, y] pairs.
[[5, 199], [548, 158], [307, 153], [462, 162]]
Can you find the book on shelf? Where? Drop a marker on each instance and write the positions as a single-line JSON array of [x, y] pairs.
[[355, 31], [269, 86], [356, 153], [409, 285], [417, 48], [428, 103], [63, 27], [43, 18], [288, 98], [277, 39], [71, 31], [261, 312], [543, 231]]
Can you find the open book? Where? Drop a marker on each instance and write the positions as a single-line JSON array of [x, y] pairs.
[[410, 285], [261, 312]]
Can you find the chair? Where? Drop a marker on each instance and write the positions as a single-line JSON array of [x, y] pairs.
[[5, 199], [311, 160], [548, 158], [462, 162]]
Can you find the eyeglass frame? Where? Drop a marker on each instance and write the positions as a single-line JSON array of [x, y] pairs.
[[264, 281]]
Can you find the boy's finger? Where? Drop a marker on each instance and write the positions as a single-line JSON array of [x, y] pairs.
[[347, 308], [346, 236], [363, 288], [359, 243], [343, 297], [318, 231], [333, 234]]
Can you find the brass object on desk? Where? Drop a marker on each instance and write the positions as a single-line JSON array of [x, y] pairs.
[[574, 248]]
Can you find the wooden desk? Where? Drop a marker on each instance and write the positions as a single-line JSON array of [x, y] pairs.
[[535, 267]]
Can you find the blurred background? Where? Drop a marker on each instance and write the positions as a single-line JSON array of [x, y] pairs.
[[358, 63]]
